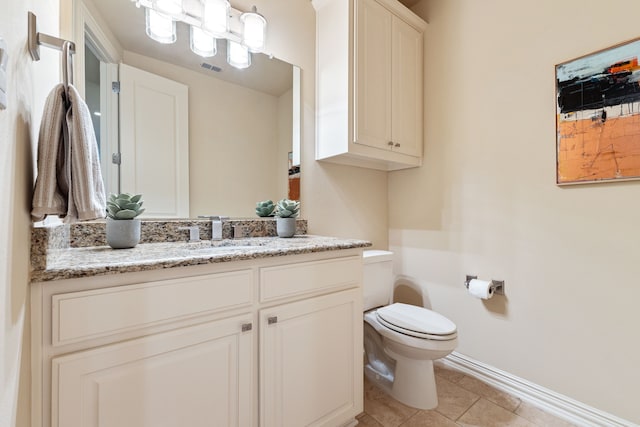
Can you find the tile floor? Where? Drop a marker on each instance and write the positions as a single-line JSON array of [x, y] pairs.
[[462, 401]]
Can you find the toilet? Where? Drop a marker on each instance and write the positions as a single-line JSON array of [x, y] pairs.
[[401, 341]]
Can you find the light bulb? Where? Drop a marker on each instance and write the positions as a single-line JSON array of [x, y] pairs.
[[253, 32], [160, 28], [202, 44], [215, 17], [238, 55]]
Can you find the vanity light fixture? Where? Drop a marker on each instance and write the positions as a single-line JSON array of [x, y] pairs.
[[202, 43], [253, 30], [160, 28], [238, 55], [209, 20], [172, 8]]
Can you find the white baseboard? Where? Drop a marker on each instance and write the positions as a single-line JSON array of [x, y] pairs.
[[549, 401]]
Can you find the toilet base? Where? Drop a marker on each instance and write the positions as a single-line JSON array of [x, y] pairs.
[[414, 383]]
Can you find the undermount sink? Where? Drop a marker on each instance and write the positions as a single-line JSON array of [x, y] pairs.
[[224, 245]]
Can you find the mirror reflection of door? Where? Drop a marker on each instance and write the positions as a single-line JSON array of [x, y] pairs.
[[103, 106], [154, 128]]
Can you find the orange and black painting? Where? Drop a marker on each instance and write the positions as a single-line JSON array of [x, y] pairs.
[[598, 116]]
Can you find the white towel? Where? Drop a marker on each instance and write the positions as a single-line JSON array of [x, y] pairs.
[[69, 182]]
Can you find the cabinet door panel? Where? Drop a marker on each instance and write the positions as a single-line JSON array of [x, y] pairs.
[[196, 376], [78, 316], [407, 76], [309, 277], [311, 361], [373, 75]]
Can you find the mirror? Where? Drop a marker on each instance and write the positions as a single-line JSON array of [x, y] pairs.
[[242, 124]]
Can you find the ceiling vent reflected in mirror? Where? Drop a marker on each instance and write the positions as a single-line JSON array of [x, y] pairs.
[[210, 67]]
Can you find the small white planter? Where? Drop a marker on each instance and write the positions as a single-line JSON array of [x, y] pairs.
[[285, 227], [123, 233]]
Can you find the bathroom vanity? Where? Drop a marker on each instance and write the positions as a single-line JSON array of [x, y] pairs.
[[263, 332]]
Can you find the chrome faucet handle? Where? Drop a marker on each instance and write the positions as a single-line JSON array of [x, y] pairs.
[[194, 233], [216, 225]]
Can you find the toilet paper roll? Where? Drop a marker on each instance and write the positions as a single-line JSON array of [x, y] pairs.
[[480, 289]]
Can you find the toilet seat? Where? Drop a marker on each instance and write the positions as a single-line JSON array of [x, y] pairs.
[[417, 322]]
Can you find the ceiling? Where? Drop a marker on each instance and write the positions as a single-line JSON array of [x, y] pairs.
[[127, 23]]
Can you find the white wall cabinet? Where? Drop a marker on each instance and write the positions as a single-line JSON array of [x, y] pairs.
[[200, 345], [369, 89]]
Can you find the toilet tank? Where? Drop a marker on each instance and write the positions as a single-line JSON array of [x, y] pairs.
[[378, 278]]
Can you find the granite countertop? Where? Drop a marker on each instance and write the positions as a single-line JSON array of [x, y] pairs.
[[88, 261]]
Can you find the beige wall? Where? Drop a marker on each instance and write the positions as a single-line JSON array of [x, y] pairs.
[[285, 142], [485, 202], [233, 141], [336, 200], [28, 84]]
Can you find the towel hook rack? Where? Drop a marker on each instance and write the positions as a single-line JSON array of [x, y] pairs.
[[36, 39]]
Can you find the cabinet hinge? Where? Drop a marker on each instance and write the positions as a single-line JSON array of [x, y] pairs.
[[116, 158], [247, 327], [115, 87], [271, 320]]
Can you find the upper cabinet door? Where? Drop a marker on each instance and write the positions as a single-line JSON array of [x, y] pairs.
[[407, 100], [369, 84], [373, 74], [154, 129]]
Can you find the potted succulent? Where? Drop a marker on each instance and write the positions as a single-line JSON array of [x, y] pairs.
[[286, 213], [265, 208], [123, 226]]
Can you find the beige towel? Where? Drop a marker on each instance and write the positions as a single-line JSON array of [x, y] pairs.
[[69, 182], [86, 196], [50, 192]]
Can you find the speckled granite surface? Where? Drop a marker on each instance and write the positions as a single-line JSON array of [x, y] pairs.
[[92, 233], [157, 231], [100, 260]]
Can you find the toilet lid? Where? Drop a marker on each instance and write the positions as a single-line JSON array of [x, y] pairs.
[[416, 321]]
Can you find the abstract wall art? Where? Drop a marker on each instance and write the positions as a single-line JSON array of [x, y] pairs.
[[598, 116]]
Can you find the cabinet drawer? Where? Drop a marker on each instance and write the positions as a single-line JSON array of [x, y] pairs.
[[309, 277], [79, 316]]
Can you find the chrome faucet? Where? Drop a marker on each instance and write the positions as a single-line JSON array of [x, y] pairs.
[[194, 233], [216, 225]]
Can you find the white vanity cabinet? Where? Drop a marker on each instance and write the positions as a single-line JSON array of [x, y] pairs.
[[311, 349], [369, 84], [270, 342]]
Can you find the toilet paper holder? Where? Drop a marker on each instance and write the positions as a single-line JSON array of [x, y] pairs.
[[496, 285]]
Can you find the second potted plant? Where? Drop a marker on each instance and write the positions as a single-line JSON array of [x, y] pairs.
[[286, 214], [123, 226]]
